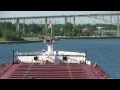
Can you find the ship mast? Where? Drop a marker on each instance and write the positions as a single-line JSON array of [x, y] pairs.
[[51, 31], [50, 41]]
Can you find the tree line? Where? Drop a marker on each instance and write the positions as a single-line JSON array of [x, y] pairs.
[[9, 32]]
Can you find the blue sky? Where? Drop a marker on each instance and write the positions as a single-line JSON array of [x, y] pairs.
[[42, 13]]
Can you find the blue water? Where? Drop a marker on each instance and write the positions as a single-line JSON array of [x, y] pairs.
[[105, 52]]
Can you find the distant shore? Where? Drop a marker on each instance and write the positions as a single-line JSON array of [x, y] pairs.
[[11, 42], [59, 38], [88, 37]]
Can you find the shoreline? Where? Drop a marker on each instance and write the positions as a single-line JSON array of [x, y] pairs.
[[12, 42], [61, 38], [89, 38]]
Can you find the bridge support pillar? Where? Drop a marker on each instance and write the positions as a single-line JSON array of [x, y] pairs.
[[118, 26], [17, 24], [24, 25], [74, 23], [65, 20], [45, 21]]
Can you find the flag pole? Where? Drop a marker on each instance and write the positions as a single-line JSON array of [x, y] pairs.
[[51, 35], [51, 32]]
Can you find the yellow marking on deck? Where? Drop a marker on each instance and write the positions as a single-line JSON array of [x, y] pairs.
[[69, 71], [28, 70]]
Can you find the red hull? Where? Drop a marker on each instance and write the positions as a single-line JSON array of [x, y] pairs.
[[51, 71]]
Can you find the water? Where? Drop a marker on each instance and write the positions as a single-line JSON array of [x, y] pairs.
[[105, 52]]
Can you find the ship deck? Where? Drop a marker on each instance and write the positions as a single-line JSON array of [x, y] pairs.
[[51, 71]]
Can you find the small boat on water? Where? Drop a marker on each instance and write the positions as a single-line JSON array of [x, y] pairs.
[[51, 64]]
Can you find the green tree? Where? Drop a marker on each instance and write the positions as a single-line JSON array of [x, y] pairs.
[[68, 27], [0, 33], [45, 31]]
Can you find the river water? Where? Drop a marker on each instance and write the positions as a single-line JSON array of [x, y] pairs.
[[105, 52]]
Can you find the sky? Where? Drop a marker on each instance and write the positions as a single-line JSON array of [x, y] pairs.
[[43, 13]]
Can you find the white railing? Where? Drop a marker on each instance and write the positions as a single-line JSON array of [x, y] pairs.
[[27, 53]]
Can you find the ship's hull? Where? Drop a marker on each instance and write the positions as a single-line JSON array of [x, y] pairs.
[[45, 65], [53, 71]]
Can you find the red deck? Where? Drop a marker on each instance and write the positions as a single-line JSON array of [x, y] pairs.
[[52, 71]]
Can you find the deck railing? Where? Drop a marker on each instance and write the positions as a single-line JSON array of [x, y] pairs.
[[4, 67], [27, 53]]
